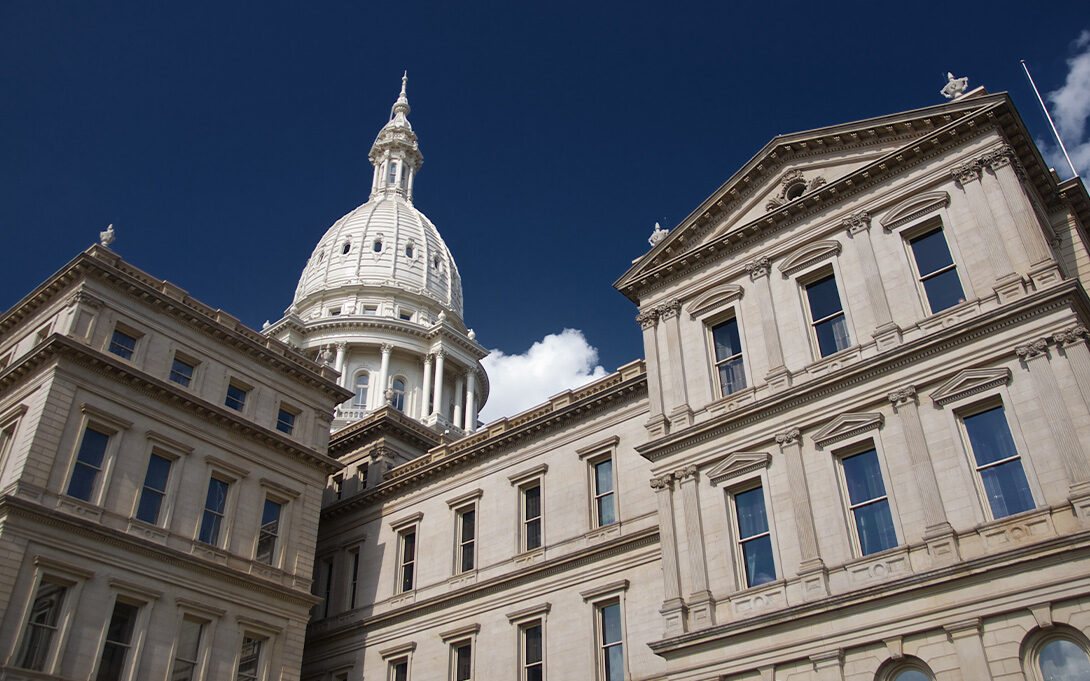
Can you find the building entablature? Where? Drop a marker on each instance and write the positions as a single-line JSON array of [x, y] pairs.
[[106, 266], [1065, 298], [687, 249], [57, 346]]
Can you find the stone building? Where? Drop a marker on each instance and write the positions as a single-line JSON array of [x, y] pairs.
[[856, 448], [161, 472]]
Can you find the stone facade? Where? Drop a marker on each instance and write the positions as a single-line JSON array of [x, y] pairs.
[[124, 403]]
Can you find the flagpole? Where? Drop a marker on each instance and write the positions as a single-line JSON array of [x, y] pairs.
[[1045, 109]]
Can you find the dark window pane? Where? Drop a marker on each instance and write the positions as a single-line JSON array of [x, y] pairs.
[[236, 398], [611, 623], [911, 675], [726, 339], [943, 290], [158, 470], [823, 297], [751, 512], [122, 345], [1006, 488], [401, 669], [150, 503], [44, 614], [931, 252], [760, 568], [603, 476], [990, 436], [463, 662], [285, 422], [614, 663], [82, 483], [864, 477], [875, 526], [217, 495], [532, 637], [181, 373], [210, 528], [732, 377], [533, 534], [93, 447], [606, 514], [468, 525], [832, 335], [116, 647]]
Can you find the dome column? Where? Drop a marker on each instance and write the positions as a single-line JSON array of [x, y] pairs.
[[339, 364], [437, 396], [384, 373], [458, 397], [425, 393], [471, 401]]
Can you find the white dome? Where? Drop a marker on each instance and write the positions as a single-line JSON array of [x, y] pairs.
[[385, 243]]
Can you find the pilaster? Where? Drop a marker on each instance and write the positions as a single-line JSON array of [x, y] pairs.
[[656, 424], [778, 378], [1008, 285], [886, 333], [1001, 162], [811, 567], [700, 604], [679, 413], [673, 608]]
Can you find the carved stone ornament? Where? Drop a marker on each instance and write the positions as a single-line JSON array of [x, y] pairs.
[[386, 348], [999, 157], [685, 473], [657, 235], [955, 87], [859, 222], [670, 309], [107, 236], [1070, 336], [788, 438], [758, 268], [325, 356], [662, 482], [789, 182], [1033, 349], [967, 172], [737, 465], [428, 360], [648, 318], [845, 426], [714, 299], [902, 395], [970, 382]]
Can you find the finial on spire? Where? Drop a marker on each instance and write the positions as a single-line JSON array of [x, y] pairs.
[[401, 106], [404, 81], [107, 236]]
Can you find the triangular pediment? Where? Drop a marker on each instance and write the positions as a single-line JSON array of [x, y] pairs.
[[737, 464], [915, 207], [718, 297], [845, 426], [809, 254], [970, 382], [828, 160]]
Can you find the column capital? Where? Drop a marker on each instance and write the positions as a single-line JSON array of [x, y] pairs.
[[967, 173], [428, 359], [1075, 334], [648, 319], [1032, 350], [341, 345], [685, 473], [758, 267], [670, 309], [998, 157], [857, 222], [662, 482], [788, 437], [902, 396], [387, 348], [440, 353]]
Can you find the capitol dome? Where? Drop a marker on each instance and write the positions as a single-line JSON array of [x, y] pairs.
[[380, 299]]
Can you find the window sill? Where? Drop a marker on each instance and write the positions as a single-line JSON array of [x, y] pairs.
[[837, 360], [79, 507], [147, 531], [878, 567], [1021, 528]]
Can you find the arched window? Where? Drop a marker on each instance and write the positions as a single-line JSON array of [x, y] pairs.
[[360, 400], [393, 173], [398, 399], [1058, 653], [904, 669]]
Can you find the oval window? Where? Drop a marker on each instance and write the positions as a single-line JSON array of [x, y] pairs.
[[347, 247], [409, 251], [377, 245], [794, 191]]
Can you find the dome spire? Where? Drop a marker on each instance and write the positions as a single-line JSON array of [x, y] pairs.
[[395, 153]]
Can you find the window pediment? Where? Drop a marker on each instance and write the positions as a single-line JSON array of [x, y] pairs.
[[737, 464], [714, 299], [912, 208], [845, 426], [969, 382], [808, 255]]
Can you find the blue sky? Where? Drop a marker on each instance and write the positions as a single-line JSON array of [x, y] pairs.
[[222, 139]]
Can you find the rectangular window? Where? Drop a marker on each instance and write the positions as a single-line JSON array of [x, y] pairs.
[[997, 463], [236, 397], [604, 510], [754, 539], [868, 502], [41, 626], [399, 669], [187, 654], [354, 578], [122, 344], [92, 450], [728, 357], [336, 483], [407, 560], [155, 488], [936, 271], [533, 658], [249, 658], [327, 592], [181, 372], [215, 505], [827, 315], [610, 642], [285, 421], [462, 661], [269, 532], [467, 538], [115, 650], [361, 475], [531, 517]]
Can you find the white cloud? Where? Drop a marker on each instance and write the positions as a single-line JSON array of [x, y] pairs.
[[557, 362], [1070, 108]]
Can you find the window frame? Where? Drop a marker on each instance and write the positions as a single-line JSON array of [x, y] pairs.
[[166, 498], [979, 404], [456, 639], [891, 669], [528, 479], [207, 617], [738, 542], [463, 548], [9, 429], [594, 455], [810, 278], [712, 323], [72, 579], [397, 655], [219, 470], [263, 654], [1035, 642], [292, 425], [599, 599], [915, 233], [113, 428], [403, 528], [857, 447], [245, 388], [187, 360], [276, 553], [910, 229], [141, 599], [123, 329], [522, 620], [403, 394], [356, 390]]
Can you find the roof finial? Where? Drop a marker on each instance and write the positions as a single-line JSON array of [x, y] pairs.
[[404, 81], [401, 106], [107, 236], [955, 87]]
